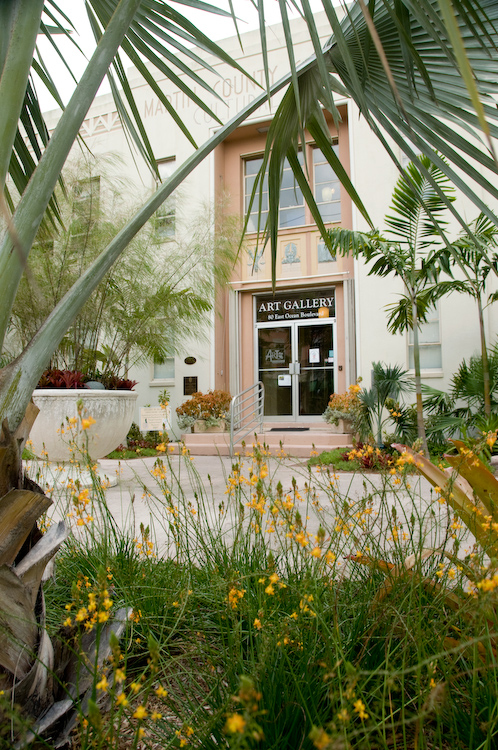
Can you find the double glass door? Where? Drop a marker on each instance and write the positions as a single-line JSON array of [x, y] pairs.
[[296, 363]]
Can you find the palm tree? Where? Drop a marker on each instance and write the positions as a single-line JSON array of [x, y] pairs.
[[416, 224], [412, 91], [476, 254]]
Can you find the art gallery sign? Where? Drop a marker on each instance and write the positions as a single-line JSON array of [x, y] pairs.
[[301, 305]]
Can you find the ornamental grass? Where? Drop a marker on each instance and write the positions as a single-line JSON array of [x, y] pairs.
[[299, 616]]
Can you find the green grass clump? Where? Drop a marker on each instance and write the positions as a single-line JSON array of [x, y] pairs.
[[282, 617], [333, 458], [126, 454]]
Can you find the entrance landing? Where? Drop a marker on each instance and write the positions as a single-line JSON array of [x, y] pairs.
[[277, 437]]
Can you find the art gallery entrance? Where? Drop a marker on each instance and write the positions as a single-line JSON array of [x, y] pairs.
[[295, 353]]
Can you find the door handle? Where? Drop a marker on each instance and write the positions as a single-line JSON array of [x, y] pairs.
[[297, 368]]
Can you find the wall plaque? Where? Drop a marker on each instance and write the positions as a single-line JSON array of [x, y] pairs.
[[155, 418], [190, 385], [190, 360]]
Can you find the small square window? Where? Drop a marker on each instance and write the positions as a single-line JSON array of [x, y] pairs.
[[164, 370]]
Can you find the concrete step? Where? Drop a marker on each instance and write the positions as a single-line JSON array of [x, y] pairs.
[[298, 444]]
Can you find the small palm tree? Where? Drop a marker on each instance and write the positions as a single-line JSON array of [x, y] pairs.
[[415, 223], [388, 382], [475, 253]]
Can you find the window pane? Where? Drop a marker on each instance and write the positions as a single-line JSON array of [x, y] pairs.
[[430, 357], [291, 197], [428, 333], [252, 224], [164, 218], [288, 180], [252, 166], [164, 370], [327, 188], [166, 168], [292, 217], [323, 172], [330, 211]]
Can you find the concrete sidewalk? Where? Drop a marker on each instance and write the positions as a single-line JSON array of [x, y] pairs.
[[201, 481]]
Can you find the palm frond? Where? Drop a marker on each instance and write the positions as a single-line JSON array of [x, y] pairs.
[[416, 94]]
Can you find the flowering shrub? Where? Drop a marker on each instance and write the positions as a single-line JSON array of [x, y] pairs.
[[344, 406], [211, 406], [366, 456]]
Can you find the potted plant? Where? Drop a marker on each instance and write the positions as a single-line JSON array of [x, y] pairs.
[[343, 410], [75, 417], [205, 412]]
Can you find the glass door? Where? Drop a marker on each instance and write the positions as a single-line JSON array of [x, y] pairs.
[[296, 366], [274, 364], [315, 355]]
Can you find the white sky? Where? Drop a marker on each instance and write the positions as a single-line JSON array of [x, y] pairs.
[[213, 26]]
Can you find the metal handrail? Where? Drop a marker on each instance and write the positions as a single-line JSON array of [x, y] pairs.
[[246, 412]]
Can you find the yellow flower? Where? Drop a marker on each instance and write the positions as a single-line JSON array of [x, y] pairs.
[[122, 700], [161, 692], [135, 687], [316, 552], [155, 716], [83, 497], [82, 614], [161, 448], [140, 713], [87, 422], [119, 675], [269, 590], [67, 622], [359, 707], [235, 723], [320, 738], [273, 578], [103, 684], [103, 616], [257, 623], [343, 715], [234, 595]]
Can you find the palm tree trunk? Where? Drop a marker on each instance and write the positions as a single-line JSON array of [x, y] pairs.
[[418, 380], [485, 361]]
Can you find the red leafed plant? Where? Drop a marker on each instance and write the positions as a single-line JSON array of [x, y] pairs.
[[61, 379], [74, 379]]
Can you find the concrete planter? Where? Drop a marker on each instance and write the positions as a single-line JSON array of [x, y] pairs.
[[345, 426], [200, 425], [112, 411]]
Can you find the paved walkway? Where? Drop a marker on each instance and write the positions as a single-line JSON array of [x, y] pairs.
[[199, 486]]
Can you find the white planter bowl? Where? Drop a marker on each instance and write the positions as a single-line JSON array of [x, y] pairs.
[[112, 411]]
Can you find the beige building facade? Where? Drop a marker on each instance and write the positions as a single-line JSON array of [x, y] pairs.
[[326, 321]]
